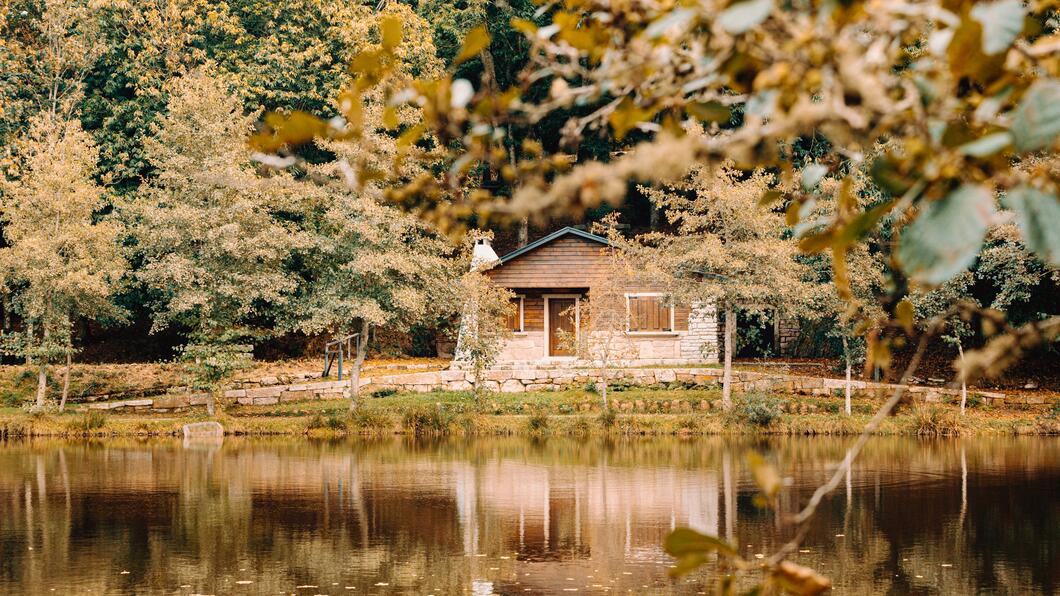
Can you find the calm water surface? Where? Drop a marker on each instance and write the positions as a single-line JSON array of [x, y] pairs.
[[512, 516]]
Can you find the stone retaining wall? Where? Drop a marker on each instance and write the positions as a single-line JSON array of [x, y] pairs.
[[549, 379]]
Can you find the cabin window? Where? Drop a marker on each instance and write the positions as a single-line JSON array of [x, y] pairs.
[[649, 313], [515, 318]]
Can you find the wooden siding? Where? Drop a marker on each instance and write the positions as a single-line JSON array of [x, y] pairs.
[[568, 265], [565, 262]]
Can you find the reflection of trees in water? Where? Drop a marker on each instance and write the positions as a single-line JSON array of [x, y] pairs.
[[418, 515]]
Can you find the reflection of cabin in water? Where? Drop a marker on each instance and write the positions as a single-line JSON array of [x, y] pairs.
[[553, 275]]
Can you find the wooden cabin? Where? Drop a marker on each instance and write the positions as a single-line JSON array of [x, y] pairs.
[[551, 276]]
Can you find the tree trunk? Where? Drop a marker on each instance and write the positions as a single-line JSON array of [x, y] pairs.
[[30, 336], [42, 375], [524, 226], [66, 379], [726, 383], [846, 354], [211, 403], [964, 385], [355, 374]]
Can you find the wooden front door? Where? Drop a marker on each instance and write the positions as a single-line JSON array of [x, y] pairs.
[[560, 317]]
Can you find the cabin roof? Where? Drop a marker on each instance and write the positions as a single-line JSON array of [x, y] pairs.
[[560, 233]]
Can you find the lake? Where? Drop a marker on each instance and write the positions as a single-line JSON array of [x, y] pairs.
[[514, 516]]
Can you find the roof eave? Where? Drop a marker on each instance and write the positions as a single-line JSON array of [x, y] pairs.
[[553, 236]]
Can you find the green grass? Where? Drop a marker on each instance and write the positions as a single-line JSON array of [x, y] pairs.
[[573, 412]]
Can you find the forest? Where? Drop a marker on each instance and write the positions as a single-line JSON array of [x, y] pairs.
[[210, 182]]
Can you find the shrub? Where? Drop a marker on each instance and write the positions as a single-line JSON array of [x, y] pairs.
[[384, 392], [10, 399], [538, 423], [937, 421], [582, 427], [427, 420], [689, 424], [370, 419], [590, 387], [90, 421], [329, 422], [832, 407], [758, 409], [608, 418]]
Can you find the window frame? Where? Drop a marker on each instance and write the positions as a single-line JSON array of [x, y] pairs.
[[629, 314], [521, 315]]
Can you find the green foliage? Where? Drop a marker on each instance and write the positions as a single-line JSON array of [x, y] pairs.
[[371, 420], [330, 422], [934, 257], [1037, 213], [428, 420], [757, 409], [91, 420], [384, 392], [608, 418], [537, 423], [935, 420]]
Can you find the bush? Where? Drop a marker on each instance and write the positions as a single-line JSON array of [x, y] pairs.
[[10, 399], [689, 424], [538, 423], [936, 421], [590, 387], [90, 421], [608, 418], [370, 419], [427, 420], [384, 392], [329, 422], [758, 409]]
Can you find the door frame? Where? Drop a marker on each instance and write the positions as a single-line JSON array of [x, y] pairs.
[[577, 324]]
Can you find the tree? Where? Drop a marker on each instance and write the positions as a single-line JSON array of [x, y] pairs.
[[727, 250], [368, 266], [483, 324], [62, 260], [603, 315], [213, 237]]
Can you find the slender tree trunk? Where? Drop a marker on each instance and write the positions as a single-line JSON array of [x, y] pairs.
[[42, 375], [846, 354], [211, 403], [66, 379], [30, 336], [355, 374], [726, 383], [964, 385], [524, 228]]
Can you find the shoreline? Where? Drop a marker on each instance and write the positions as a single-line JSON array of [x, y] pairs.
[[652, 412]]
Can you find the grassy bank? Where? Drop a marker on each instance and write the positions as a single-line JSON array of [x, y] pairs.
[[573, 412]]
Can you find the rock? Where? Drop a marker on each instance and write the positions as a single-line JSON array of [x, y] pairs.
[[512, 386], [267, 381], [264, 392], [1031, 385], [203, 429]]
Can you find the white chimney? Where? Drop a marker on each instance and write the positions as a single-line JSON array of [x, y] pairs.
[[483, 254]]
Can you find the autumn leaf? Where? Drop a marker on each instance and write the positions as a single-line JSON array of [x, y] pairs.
[[476, 40]]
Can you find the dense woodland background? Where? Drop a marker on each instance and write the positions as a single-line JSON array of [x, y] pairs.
[[166, 91]]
